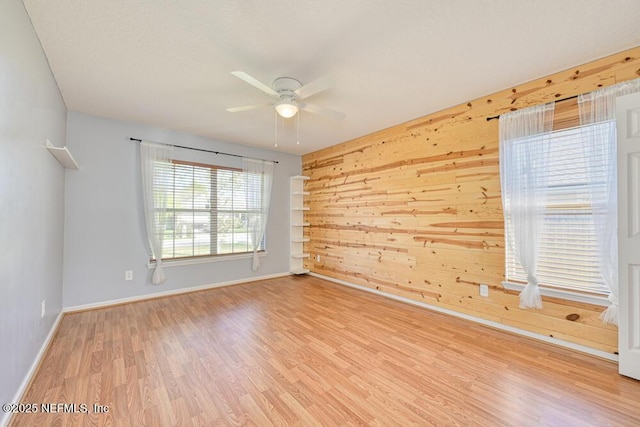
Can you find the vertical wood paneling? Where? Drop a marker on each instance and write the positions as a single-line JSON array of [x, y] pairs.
[[415, 210]]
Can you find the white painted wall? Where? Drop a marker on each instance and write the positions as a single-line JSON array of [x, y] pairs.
[[104, 223], [85, 227], [31, 198]]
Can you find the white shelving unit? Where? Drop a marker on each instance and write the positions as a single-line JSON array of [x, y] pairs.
[[297, 224]]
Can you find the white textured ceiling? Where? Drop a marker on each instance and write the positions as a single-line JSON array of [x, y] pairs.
[[168, 63]]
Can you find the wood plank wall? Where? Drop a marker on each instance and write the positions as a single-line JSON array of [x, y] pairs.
[[415, 210]]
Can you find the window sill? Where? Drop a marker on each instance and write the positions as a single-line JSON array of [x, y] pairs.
[[205, 260], [562, 294]]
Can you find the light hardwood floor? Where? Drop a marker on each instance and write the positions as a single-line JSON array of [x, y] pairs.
[[303, 351]]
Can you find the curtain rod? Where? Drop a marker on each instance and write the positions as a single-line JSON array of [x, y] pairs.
[[559, 100], [209, 151]]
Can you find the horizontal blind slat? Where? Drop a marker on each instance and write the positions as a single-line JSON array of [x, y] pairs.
[[569, 255], [208, 209]]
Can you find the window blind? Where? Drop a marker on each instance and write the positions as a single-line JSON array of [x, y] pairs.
[[568, 254], [207, 209]]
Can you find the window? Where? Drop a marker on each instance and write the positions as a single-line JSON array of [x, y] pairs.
[[568, 256], [207, 211]]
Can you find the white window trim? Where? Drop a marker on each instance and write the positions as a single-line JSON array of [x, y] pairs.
[[562, 294], [205, 259]]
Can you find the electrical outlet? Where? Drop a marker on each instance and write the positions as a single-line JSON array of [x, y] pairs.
[[128, 275], [317, 258], [44, 308], [484, 290]]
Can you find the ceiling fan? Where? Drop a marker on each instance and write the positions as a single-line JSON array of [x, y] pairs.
[[290, 94]]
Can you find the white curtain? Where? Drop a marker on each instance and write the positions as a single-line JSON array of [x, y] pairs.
[[259, 175], [600, 142], [524, 152], [155, 161]]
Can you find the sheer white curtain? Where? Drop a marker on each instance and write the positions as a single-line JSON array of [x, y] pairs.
[[259, 175], [524, 152], [598, 107], [154, 159]]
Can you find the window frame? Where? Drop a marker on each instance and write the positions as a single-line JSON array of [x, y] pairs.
[[569, 122], [205, 258]]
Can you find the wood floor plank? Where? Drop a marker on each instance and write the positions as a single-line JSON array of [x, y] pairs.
[[304, 351]]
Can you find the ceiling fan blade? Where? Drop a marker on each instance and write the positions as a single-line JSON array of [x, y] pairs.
[[247, 107], [314, 87], [255, 83], [316, 109]]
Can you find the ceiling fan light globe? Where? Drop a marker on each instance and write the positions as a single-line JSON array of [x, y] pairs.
[[286, 109]]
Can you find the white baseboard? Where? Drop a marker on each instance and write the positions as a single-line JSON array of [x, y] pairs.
[[137, 298], [496, 325], [6, 417]]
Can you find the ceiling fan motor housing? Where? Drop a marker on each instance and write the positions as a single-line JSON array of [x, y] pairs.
[[286, 87]]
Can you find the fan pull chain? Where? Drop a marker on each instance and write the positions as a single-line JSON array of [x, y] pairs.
[[276, 119], [298, 126]]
